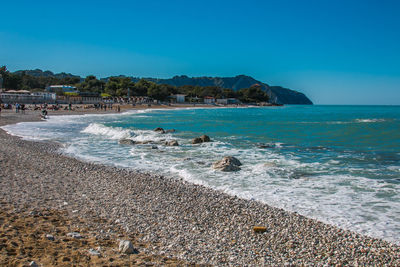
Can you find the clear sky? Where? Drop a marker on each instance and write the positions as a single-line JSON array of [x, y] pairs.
[[336, 52]]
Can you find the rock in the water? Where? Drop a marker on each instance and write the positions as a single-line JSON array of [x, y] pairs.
[[126, 247], [172, 143], [159, 130], [126, 142], [197, 140], [265, 146], [227, 164], [170, 131], [144, 142], [205, 138], [201, 139]]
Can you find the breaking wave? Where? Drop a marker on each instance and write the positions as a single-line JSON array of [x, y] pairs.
[[110, 132]]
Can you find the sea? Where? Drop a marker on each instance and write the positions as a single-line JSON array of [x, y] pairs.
[[337, 164]]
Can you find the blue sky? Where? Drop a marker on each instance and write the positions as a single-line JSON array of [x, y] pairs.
[[336, 52]]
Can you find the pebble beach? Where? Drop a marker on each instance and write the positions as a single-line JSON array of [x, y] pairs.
[[168, 220]]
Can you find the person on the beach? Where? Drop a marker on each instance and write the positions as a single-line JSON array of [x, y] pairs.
[[44, 114]]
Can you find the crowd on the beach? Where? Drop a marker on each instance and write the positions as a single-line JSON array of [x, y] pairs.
[[21, 108]]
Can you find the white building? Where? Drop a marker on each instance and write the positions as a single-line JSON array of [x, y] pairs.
[[45, 95], [18, 96], [26, 97], [227, 101], [64, 88], [179, 98], [222, 101], [209, 100]]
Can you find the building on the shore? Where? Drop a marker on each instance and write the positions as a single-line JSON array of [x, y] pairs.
[[19, 96], [209, 100], [142, 100], [178, 98], [79, 98], [51, 97], [227, 101], [61, 88], [26, 97]]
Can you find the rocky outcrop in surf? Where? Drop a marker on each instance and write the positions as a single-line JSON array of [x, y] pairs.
[[227, 164], [201, 139]]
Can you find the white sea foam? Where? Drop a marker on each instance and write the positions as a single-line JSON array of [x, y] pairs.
[[369, 120], [149, 135], [109, 132], [346, 122]]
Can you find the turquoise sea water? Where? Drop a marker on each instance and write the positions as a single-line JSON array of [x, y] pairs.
[[338, 164]]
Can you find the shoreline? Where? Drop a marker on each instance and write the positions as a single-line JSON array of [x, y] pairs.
[[179, 219]]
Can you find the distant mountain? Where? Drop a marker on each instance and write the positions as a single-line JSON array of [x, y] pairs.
[[277, 94], [47, 73]]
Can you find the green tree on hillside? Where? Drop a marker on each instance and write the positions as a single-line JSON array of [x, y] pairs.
[[118, 86], [141, 87], [253, 94], [160, 91], [112, 86], [91, 84]]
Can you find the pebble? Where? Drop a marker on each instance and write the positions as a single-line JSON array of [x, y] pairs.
[[126, 247], [259, 229], [75, 235], [94, 252], [50, 237]]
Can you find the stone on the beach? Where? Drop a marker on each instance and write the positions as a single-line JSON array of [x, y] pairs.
[[172, 143], [159, 130], [126, 142], [126, 247], [50, 237], [259, 229], [74, 235], [33, 264], [227, 164], [94, 252]]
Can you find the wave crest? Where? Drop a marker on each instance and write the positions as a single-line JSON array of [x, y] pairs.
[[369, 120], [110, 132]]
